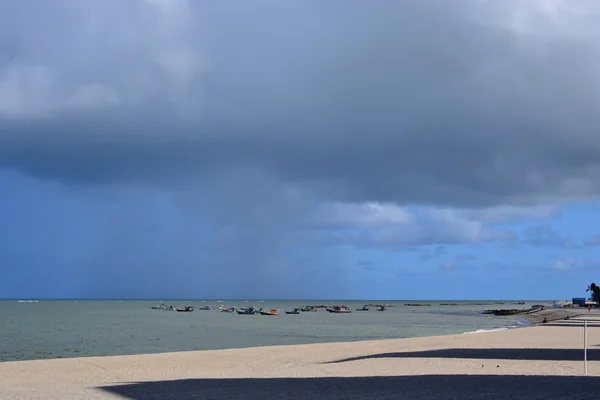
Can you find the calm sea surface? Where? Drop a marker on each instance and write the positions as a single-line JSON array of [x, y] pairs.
[[54, 329]]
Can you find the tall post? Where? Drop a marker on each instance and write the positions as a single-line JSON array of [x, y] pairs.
[[585, 347]]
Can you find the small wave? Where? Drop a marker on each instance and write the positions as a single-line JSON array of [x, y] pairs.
[[27, 301], [489, 330]]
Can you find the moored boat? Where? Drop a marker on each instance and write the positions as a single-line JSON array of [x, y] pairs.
[[185, 309], [247, 311], [296, 311], [339, 310], [163, 306], [382, 308], [229, 310], [308, 308], [365, 308], [205, 308], [272, 312]]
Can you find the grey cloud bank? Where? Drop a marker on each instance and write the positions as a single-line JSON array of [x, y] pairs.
[[462, 103]]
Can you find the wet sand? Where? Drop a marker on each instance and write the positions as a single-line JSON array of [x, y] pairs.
[[526, 363]]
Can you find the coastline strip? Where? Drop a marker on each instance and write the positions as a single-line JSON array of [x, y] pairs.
[[553, 349]]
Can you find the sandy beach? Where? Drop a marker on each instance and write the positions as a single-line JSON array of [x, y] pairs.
[[535, 362]]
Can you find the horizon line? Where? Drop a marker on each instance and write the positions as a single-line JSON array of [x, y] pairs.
[[255, 299]]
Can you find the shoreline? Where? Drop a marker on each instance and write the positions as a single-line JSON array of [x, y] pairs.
[[324, 342], [528, 354], [358, 343], [595, 323], [522, 321], [534, 321]]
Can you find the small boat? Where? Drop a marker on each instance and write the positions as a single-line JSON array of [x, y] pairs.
[[308, 308], [382, 308], [339, 310], [365, 308], [247, 311], [163, 306], [185, 309], [205, 308], [296, 311], [229, 310], [272, 312]]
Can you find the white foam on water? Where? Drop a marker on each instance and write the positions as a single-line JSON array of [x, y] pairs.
[[489, 330]]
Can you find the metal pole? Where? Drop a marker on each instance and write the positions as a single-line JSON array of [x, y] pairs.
[[585, 346]]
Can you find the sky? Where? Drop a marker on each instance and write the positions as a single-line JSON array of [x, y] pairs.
[[301, 150]]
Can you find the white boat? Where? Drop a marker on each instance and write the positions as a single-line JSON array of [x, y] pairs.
[[339, 310], [164, 307]]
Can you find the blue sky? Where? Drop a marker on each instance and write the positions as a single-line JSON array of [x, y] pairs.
[[389, 150]]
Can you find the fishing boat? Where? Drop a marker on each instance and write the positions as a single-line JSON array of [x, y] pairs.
[[163, 306], [296, 311], [247, 311], [365, 308], [205, 308], [272, 312], [185, 309], [308, 308], [229, 310], [339, 310], [382, 308]]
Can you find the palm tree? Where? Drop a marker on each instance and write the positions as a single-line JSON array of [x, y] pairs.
[[595, 291], [591, 287]]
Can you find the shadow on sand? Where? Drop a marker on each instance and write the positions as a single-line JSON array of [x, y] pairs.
[[438, 387], [591, 325], [488, 354]]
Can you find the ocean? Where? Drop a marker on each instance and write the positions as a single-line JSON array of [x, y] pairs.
[[43, 329]]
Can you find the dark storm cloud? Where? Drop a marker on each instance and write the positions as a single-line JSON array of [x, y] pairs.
[[413, 101]]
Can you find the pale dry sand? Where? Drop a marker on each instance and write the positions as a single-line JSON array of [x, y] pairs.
[[538, 362]]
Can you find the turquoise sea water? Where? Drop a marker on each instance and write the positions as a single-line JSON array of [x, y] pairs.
[[69, 328]]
